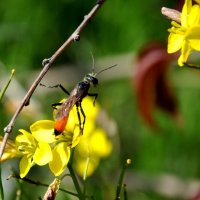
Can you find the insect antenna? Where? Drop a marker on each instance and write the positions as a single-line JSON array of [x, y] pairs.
[[93, 63], [105, 69]]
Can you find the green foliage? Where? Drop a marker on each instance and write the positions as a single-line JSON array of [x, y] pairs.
[[31, 31]]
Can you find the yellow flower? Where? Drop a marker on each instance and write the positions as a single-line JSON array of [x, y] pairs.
[[43, 130], [185, 36], [42, 147], [99, 143], [33, 152], [94, 143], [10, 150]]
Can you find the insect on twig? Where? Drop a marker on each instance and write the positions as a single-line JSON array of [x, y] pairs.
[[75, 98]]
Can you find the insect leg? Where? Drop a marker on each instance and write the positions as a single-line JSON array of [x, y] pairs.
[[54, 105], [95, 95], [79, 117], [57, 86], [84, 116]]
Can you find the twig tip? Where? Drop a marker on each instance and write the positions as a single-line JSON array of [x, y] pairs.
[[128, 161], [13, 71], [100, 1]]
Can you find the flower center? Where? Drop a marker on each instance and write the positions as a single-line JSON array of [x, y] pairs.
[[26, 148]]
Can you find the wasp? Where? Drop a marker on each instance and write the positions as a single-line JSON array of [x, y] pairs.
[[76, 96]]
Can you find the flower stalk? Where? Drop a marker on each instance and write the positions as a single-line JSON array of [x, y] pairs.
[[121, 178], [2, 92], [75, 181]]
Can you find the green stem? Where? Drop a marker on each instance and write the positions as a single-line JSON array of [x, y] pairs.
[[121, 177], [125, 193], [85, 175], [76, 183], [18, 194], [1, 187], [7, 84]]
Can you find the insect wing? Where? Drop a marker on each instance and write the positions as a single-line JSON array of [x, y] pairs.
[[64, 109], [62, 114]]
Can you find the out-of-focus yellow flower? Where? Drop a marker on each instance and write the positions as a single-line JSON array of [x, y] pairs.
[[94, 143], [186, 36], [33, 152], [95, 146], [10, 150]]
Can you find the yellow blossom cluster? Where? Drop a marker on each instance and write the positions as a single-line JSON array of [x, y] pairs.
[[40, 146]]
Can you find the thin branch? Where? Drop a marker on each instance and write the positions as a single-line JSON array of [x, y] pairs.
[[75, 36], [38, 183], [171, 14], [75, 180]]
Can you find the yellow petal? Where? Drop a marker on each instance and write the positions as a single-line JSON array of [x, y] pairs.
[[185, 12], [24, 166], [88, 127], [61, 155], [89, 108], [193, 37], [100, 144], [77, 135], [194, 17], [25, 138], [72, 120], [81, 166], [43, 130], [42, 154], [174, 42], [185, 52]]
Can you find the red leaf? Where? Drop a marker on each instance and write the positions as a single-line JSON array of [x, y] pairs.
[[151, 84]]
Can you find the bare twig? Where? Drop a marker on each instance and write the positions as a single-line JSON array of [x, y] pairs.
[[38, 183], [171, 14], [75, 36]]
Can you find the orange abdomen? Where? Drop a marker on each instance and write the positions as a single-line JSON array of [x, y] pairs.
[[59, 126]]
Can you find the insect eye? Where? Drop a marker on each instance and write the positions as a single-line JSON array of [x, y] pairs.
[[95, 81]]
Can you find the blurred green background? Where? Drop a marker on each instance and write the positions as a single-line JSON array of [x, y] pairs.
[[164, 164], [31, 31]]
